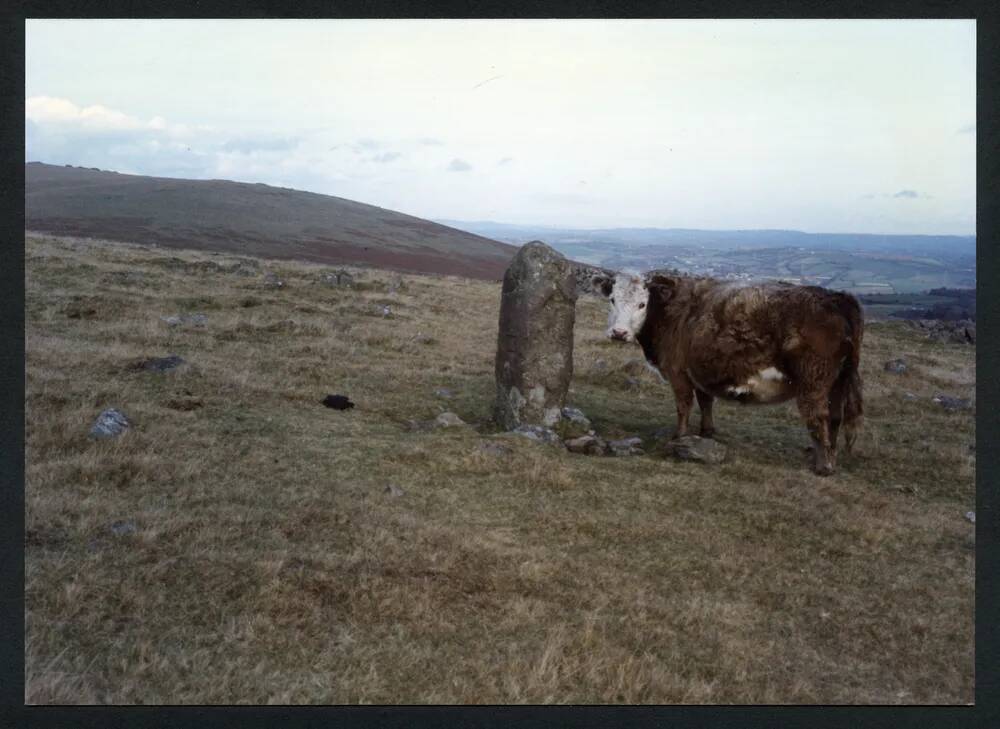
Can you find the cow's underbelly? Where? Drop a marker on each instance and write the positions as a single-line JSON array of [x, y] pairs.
[[764, 387]]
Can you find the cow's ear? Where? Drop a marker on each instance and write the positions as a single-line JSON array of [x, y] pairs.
[[602, 285], [661, 288]]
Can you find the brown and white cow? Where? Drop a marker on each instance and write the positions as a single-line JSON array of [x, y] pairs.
[[751, 343]]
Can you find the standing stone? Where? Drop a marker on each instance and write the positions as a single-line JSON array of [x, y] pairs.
[[534, 361]]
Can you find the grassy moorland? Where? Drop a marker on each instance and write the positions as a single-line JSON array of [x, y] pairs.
[[259, 557]]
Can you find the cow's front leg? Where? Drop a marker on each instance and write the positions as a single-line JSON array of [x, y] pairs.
[[815, 411], [705, 402], [684, 397]]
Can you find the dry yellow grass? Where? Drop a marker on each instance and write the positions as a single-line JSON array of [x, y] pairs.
[[269, 565]]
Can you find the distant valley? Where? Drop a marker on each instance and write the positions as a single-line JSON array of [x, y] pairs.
[[862, 264]]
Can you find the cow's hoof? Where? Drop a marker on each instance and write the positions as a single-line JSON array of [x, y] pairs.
[[710, 433], [825, 470]]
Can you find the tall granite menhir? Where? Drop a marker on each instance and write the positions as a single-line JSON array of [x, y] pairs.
[[535, 343]]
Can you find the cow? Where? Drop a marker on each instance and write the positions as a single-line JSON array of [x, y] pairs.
[[759, 343]]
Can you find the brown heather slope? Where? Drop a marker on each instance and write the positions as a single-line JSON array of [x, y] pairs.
[[270, 565], [250, 219]]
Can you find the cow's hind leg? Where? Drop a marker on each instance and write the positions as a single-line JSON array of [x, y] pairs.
[[705, 402], [815, 410]]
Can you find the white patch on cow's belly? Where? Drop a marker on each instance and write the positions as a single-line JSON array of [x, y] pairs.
[[768, 385]]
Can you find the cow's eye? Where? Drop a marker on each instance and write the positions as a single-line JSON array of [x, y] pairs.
[[642, 306]]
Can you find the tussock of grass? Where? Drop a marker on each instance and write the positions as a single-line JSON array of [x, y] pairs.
[[269, 563]]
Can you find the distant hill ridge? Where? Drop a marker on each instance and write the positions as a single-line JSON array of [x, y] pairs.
[[724, 239], [250, 219]]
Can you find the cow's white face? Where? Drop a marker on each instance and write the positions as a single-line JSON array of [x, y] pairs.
[[628, 297]]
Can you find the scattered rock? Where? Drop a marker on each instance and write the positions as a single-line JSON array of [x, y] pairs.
[[495, 449], [589, 445], [272, 281], [444, 392], [626, 447], [539, 433], [910, 396], [534, 358], [163, 364], [695, 448], [971, 516], [123, 528], [448, 420], [631, 383], [572, 424], [198, 320], [338, 278], [109, 424], [896, 366], [337, 402], [386, 311], [244, 267], [952, 404], [394, 490]]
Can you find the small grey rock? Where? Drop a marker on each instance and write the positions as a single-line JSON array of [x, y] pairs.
[[589, 445], [539, 433], [631, 383], [110, 424], [198, 320], [496, 449], [971, 516], [448, 420], [386, 312], [123, 528], [696, 448], [910, 396], [272, 281], [952, 404], [394, 490], [444, 392], [572, 423], [163, 364], [896, 366], [626, 447]]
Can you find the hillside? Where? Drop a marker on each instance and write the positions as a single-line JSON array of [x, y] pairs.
[[242, 543], [249, 219]]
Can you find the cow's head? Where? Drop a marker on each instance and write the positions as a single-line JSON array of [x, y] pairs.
[[628, 297]]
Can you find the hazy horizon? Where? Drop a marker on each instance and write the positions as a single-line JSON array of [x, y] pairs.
[[854, 127]]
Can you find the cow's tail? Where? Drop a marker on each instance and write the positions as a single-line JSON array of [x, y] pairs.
[[847, 390]]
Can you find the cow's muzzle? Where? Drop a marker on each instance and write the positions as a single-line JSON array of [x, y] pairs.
[[620, 334]]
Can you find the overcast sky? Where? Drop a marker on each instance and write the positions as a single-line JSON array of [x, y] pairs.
[[822, 126]]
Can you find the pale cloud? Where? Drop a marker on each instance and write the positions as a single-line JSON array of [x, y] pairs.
[[909, 194], [459, 165]]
